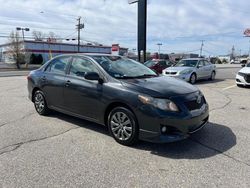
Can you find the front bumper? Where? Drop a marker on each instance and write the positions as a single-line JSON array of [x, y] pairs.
[[178, 125], [240, 80], [185, 77]]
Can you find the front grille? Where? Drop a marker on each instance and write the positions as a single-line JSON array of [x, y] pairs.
[[194, 104], [173, 73], [247, 78]]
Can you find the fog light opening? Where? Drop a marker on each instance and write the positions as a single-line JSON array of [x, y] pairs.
[[164, 129]]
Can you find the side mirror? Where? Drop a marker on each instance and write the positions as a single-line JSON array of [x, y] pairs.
[[243, 65], [93, 76]]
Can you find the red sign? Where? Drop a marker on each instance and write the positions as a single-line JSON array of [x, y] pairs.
[[115, 47], [247, 32]]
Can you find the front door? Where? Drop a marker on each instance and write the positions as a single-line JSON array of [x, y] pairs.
[[201, 69], [83, 97]]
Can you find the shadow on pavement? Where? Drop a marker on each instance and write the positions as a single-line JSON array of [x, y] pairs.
[[201, 82], [210, 141]]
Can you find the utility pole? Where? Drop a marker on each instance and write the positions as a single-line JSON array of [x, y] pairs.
[[79, 26], [249, 50], [201, 49]]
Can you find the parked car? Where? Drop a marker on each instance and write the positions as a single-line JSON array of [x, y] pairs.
[[243, 76], [131, 99], [192, 69], [158, 64]]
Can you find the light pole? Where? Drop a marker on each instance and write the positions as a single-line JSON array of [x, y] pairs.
[[23, 29], [159, 49], [142, 28]]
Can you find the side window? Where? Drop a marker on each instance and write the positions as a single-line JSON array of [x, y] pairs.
[[201, 63], [58, 65], [80, 66], [207, 63]]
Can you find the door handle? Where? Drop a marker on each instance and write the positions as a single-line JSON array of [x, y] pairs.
[[43, 78], [67, 83]]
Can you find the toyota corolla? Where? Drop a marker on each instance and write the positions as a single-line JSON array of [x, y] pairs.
[[132, 100]]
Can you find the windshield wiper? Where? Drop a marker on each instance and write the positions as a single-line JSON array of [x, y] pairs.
[[139, 76]]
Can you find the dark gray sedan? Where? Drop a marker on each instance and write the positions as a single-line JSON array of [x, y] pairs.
[[132, 100]]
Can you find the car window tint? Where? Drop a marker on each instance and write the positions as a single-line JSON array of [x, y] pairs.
[[162, 63], [201, 63], [81, 66], [58, 65], [207, 63]]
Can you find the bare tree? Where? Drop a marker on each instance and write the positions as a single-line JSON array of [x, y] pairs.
[[38, 35], [15, 47], [53, 37]]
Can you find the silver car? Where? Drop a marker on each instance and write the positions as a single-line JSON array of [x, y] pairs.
[[192, 70]]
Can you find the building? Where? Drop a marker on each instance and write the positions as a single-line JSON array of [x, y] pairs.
[[51, 49], [178, 56]]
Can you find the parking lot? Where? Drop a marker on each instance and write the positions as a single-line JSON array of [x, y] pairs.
[[62, 151]]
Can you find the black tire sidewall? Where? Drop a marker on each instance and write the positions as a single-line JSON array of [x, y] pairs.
[[135, 128], [190, 79], [212, 76], [45, 110]]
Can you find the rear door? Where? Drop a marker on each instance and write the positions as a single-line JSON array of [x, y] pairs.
[[53, 80]]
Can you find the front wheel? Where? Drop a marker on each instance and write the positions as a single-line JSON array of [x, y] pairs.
[[40, 103], [212, 77], [193, 78], [123, 126]]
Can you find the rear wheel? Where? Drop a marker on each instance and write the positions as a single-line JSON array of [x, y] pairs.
[[193, 78], [123, 126], [40, 103]]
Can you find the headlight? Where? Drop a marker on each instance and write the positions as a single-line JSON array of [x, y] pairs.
[[241, 74], [186, 72], [162, 104]]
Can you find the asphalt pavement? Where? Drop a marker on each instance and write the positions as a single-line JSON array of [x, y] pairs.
[[62, 151]]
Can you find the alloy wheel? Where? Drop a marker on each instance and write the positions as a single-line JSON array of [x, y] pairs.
[[39, 102], [121, 126]]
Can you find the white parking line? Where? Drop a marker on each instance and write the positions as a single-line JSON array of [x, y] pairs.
[[226, 88]]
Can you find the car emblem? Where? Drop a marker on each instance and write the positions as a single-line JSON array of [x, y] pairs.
[[198, 99]]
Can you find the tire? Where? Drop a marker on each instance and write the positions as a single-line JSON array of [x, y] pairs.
[[193, 78], [212, 76], [40, 103], [239, 85], [123, 126]]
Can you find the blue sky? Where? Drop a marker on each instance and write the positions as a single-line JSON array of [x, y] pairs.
[[179, 25]]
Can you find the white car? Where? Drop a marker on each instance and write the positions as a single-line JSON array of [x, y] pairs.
[[243, 76], [191, 70]]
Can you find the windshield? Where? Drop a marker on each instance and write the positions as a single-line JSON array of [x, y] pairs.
[[186, 63], [123, 68], [248, 65], [150, 63]]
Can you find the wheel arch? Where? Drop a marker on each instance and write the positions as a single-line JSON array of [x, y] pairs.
[[113, 105]]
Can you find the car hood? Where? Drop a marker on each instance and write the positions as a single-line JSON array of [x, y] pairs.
[[245, 70], [178, 69], [162, 87]]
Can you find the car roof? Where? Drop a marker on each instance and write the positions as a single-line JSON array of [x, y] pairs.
[[86, 54], [194, 59]]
